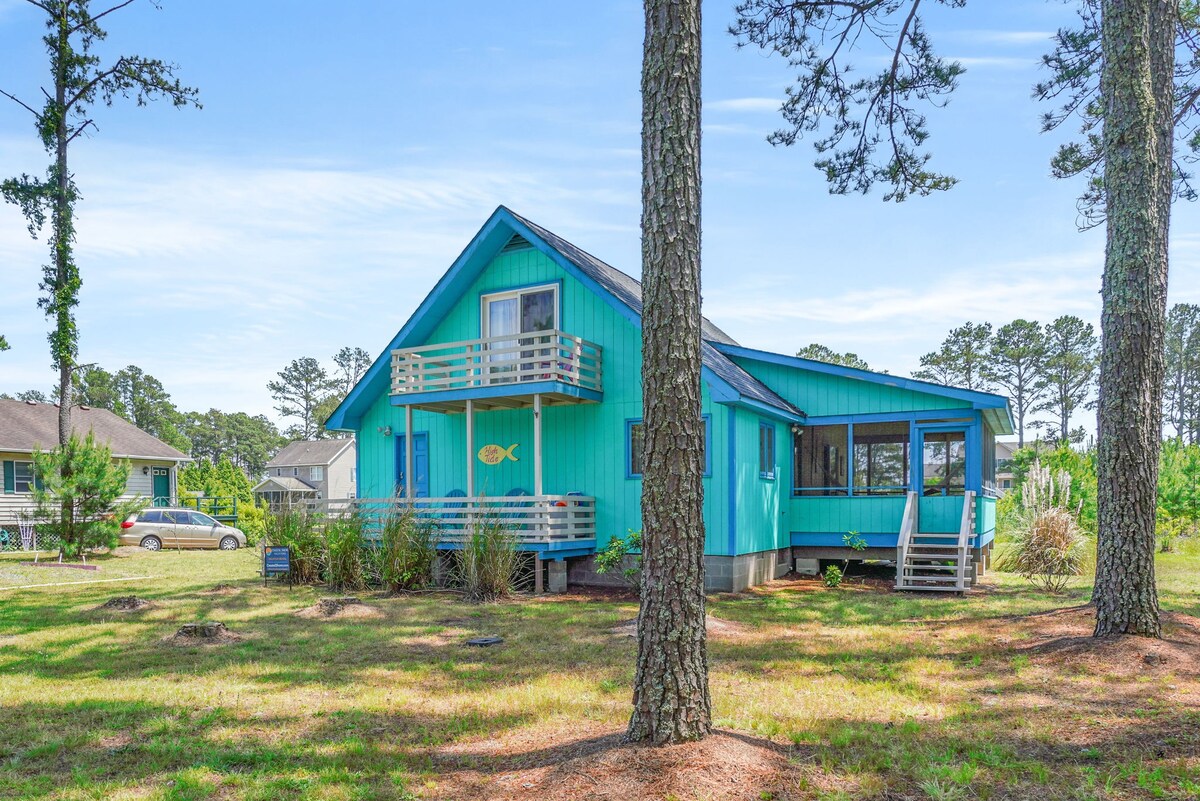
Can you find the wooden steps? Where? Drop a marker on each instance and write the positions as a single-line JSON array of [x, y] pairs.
[[935, 562]]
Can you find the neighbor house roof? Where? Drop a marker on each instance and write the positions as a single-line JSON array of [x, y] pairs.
[[26, 426], [728, 382], [286, 484], [302, 453]]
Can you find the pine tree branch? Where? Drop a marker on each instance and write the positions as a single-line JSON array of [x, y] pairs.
[[18, 101]]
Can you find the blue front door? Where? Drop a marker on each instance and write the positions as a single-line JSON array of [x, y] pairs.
[[420, 464]]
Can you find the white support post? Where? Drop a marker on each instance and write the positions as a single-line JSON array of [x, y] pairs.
[[537, 445], [408, 452], [470, 449]]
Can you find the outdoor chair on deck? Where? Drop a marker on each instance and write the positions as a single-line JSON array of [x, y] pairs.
[[453, 518], [520, 519]]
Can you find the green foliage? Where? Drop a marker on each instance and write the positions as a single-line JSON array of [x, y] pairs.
[[833, 576], [1181, 357], [302, 386], [487, 563], [1016, 362], [872, 128], [248, 441], [404, 552], [1081, 465], [820, 353], [852, 540], [135, 395], [615, 557], [962, 360], [301, 533], [77, 494], [1179, 483], [344, 553], [1069, 373]]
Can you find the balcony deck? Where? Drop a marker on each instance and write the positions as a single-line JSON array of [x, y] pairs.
[[503, 372]]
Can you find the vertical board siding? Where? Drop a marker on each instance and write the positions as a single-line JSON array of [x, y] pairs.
[[820, 394], [583, 445], [985, 520], [940, 514], [759, 511], [873, 514]]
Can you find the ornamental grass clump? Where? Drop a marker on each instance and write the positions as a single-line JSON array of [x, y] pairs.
[[487, 563], [404, 551], [344, 554], [300, 531], [1048, 546]]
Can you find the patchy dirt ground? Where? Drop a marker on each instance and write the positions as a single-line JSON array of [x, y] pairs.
[[124, 603], [339, 609], [715, 626]]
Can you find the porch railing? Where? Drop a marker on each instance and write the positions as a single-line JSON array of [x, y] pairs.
[[491, 361], [908, 527], [528, 518]]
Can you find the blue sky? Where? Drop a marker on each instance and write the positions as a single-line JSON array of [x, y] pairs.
[[343, 159]]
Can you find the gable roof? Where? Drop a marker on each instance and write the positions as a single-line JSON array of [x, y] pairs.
[[284, 484], [1000, 413], [729, 382], [303, 453], [25, 427]]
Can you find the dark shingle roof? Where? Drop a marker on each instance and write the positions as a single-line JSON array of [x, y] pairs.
[[629, 291], [303, 453], [26, 426]]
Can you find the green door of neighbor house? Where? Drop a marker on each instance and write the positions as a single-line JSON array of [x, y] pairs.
[[162, 485]]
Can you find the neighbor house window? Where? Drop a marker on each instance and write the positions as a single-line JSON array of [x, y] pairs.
[[820, 460], [635, 447], [23, 477], [881, 452], [316, 474], [295, 471], [766, 450]]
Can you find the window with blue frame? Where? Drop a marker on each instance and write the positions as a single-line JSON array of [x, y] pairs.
[[875, 454], [635, 447], [881, 453], [766, 450], [820, 466]]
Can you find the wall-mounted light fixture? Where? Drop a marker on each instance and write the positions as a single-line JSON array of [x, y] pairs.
[[385, 430], [797, 428], [145, 471]]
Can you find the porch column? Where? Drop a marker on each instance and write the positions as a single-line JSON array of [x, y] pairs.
[[537, 445], [470, 449], [408, 452]]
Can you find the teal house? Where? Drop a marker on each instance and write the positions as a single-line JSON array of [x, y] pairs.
[[514, 390]]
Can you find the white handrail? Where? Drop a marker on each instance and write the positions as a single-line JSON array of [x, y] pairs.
[[966, 530], [908, 526]]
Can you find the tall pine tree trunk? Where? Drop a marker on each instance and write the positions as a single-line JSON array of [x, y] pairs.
[[1138, 38], [670, 697]]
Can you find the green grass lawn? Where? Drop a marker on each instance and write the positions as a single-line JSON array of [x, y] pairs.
[[871, 694]]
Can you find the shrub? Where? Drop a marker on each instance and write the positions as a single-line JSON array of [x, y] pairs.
[[300, 531], [614, 557], [344, 552], [1048, 546], [405, 551], [833, 576], [252, 521], [488, 560]]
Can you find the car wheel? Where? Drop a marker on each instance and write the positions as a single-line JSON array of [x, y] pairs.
[[152, 543], [229, 544]]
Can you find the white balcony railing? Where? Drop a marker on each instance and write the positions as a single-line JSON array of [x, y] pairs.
[[495, 361], [528, 518]]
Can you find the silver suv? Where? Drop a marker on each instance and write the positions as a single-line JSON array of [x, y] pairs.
[[158, 527]]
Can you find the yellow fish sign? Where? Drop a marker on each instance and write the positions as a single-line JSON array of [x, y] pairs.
[[494, 454]]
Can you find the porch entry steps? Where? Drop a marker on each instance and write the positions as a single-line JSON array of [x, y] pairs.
[[935, 562]]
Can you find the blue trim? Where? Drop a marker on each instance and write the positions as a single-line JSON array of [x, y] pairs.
[[772, 469], [931, 415], [733, 476], [830, 539], [850, 460], [766, 409], [552, 551], [630, 422], [985, 399], [518, 389]]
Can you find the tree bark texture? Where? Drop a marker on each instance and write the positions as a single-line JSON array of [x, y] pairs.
[[1138, 39], [671, 700]]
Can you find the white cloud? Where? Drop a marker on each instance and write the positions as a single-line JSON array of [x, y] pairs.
[[753, 104], [999, 62], [1009, 38]]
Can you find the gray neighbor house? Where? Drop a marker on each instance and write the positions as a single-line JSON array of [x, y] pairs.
[[26, 426], [309, 470]]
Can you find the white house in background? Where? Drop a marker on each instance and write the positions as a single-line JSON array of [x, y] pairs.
[[310, 470], [26, 426], [1004, 473]]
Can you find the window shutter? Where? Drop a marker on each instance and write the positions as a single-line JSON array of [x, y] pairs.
[[10, 478]]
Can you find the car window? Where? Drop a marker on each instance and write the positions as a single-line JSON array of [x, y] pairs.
[[174, 517], [199, 519], [151, 516]]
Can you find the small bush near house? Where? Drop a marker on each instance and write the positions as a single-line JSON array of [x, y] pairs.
[[614, 557], [404, 552], [1048, 546], [833, 576], [344, 553], [488, 561]]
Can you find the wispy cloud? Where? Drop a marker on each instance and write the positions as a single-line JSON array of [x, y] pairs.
[[1004, 38], [998, 62], [744, 104]]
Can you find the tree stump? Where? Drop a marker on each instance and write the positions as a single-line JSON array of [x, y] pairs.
[[204, 630]]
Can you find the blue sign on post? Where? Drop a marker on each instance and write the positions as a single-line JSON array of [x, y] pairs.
[[276, 559]]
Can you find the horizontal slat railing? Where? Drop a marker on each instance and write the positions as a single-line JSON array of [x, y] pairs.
[[529, 518], [490, 361]]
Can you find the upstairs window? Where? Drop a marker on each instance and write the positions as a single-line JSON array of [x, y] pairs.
[[316, 474]]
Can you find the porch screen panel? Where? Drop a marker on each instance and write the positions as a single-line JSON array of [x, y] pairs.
[[945, 463], [881, 458], [820, 461]]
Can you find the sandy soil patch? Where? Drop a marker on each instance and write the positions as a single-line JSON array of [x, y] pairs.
[[205, 633], [339, 609], [716, 627]]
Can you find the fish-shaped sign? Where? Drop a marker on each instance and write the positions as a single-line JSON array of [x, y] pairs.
[[494, 454]]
